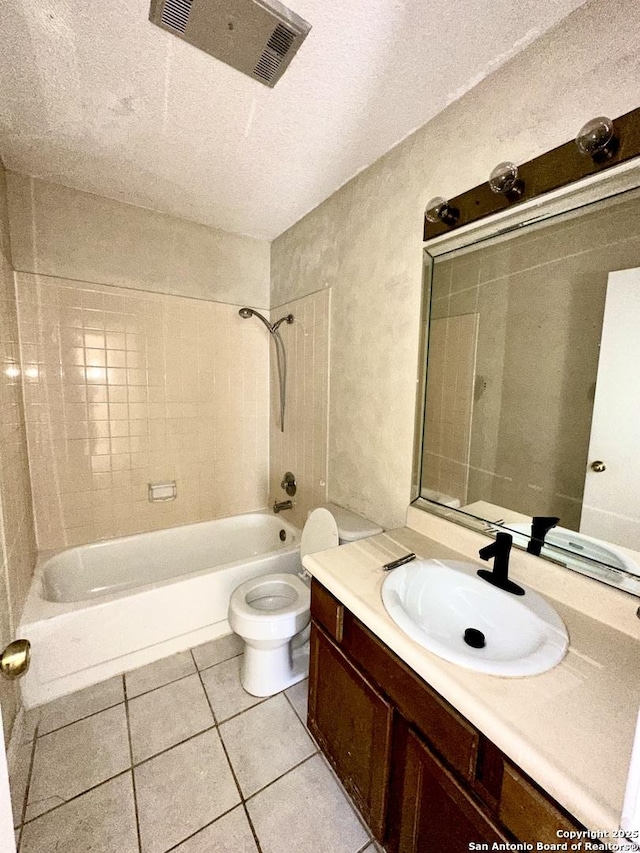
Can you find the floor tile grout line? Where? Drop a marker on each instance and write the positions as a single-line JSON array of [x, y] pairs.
[[202, 828], [211, 665], [133, 775], [213, 713], [25, 799], [122, 772], [252, 827], [233, 773], [80, 719], [173, 746], [282, 775], [160, 686], [295, 710], [137, 695], [77, 796]]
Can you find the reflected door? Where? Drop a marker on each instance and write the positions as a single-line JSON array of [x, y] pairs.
[[611, 504]]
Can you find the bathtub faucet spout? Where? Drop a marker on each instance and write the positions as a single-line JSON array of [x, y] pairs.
[[278, 506]]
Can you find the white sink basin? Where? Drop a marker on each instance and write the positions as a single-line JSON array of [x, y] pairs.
[[435, 601], [577, 544]]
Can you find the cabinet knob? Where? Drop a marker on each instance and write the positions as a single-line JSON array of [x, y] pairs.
[[598, 466]]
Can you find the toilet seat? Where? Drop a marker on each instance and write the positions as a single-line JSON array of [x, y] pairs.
[[320, 532], [259, 599]]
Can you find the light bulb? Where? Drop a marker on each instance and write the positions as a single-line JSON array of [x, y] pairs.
[[504, 180], [439, 210], [597, 139]]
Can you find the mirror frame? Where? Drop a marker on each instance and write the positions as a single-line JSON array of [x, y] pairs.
[[614, 182]]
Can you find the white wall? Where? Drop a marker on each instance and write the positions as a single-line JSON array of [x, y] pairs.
[[365, 241]]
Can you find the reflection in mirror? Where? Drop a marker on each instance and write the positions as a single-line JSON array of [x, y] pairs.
[[533, 384]]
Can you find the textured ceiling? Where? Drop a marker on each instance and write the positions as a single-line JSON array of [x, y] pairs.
[[94, 96]]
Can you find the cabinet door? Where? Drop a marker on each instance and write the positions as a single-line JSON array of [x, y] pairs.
[[352, 723], [436, 814]]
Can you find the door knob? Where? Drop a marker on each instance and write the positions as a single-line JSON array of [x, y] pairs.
[[598, 466], [15, 659]]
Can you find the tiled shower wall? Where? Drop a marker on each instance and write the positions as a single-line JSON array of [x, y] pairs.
[[17, 542], [124, 388], [302, 448]]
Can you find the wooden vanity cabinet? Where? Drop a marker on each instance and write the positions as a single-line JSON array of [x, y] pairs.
[[424, 779], [433, 812], [352, 723]]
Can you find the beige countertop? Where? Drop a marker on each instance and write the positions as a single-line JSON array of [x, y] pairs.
[[571, 728]]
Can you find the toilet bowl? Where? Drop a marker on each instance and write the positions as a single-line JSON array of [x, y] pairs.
[[271, 612]]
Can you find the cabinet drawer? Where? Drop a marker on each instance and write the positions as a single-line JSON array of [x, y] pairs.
[[529, 814], [449, 733], [327, 610]]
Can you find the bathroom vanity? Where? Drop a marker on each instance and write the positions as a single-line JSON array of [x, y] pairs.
[[437, 757], [406, 755]]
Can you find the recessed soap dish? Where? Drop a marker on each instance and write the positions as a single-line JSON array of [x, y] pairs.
[[163, 491]]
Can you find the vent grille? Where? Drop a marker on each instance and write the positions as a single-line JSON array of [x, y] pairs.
[[281, 40], [176, 14], [277, 48]]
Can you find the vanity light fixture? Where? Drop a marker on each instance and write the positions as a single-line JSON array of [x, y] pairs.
[[504, 180], [597, 139], [439, 210]]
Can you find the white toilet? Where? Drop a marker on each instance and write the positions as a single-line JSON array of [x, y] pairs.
[[271, 612]]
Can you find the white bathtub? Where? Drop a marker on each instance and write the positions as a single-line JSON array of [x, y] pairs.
[[105, 608]]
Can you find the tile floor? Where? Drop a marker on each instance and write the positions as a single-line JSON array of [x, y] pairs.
[[177, 757]]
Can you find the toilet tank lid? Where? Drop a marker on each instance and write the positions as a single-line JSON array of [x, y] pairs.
[[351, 526]]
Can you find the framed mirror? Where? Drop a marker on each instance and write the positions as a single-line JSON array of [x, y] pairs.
[[530, 404]]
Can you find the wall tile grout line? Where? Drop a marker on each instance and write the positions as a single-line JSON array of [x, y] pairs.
[[133, 775]]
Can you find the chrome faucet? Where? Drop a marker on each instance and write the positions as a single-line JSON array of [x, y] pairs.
[[278, 506]]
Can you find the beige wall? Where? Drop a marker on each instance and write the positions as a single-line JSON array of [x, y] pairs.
[[365, 240], [124, 389], [66, 233], [302, 447], [17, 544]]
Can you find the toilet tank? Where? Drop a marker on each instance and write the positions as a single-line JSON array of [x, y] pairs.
[[350, 525]]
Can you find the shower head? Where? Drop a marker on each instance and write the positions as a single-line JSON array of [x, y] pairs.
[[245, 313]]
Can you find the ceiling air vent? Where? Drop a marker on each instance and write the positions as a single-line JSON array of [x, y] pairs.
[[175, 14], [278, 47], [257, 37]]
